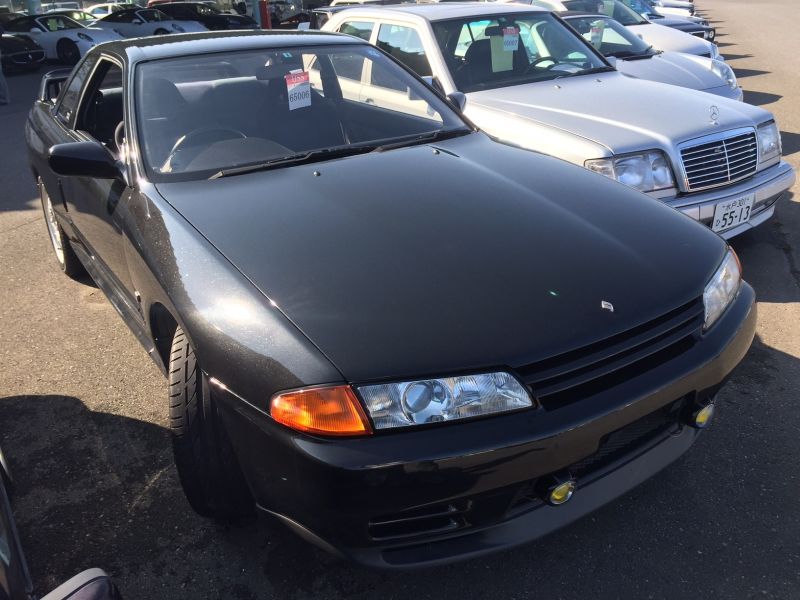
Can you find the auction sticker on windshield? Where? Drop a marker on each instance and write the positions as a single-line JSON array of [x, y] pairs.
[[510, 39], [733, 212], [299, 89]]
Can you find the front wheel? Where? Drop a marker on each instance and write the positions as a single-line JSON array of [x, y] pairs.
[[207, 468], [160, 32], [65, 255], [68, 52]]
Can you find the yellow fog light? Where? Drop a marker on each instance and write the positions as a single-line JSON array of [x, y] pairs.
[[562, 492], [703, 417]]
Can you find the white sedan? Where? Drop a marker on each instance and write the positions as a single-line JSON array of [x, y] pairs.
[[61, 37], [140, 22]]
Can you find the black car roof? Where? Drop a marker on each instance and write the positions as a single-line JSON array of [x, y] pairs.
[[135, 50]]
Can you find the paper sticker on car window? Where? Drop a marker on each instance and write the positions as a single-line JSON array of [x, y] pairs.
[[597, 33], [510, 39], [299, 89]]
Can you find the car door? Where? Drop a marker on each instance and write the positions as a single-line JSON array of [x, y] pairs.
[[96, 206]]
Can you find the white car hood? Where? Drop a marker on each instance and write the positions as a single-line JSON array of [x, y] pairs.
[[99, 34], [620, 113], [674, 68], [670, 40]]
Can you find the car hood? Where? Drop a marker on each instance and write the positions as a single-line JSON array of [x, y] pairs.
[[672, 40], [12, 43], [674, 68], [474, 255], [618, 112], [104, 33]]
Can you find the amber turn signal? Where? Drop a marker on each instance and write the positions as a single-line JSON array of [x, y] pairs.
[[324, 411]]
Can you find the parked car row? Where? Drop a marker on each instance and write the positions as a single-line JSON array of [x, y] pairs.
[[419, 291]]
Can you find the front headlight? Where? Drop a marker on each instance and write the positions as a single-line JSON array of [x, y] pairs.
[[444, 399], [715, 52], [769, 141], [724, 72], [646, 171], [722, 288], [85, 37]]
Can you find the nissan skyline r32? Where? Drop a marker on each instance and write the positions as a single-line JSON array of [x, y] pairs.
[[405, 370]]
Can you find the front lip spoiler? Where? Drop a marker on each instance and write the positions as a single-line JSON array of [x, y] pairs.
[[529, 526]]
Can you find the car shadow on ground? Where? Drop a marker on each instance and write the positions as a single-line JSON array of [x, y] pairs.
[[760, 98], [100, 489], [743, 73], [790, 142]]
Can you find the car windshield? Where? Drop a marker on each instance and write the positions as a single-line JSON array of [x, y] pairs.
[[153, 16], [611, 8], [610, 38], [58, 23], [511, 49], [641, 7], [217, 114]]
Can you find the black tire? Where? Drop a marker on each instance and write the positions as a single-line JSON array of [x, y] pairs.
[[62, 248], [207, 468], [160, 32], [67, 52]]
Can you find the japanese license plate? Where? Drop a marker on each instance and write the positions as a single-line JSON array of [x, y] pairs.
[[732, 213]]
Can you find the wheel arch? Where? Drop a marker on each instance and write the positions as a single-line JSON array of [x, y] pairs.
[[162, 329]]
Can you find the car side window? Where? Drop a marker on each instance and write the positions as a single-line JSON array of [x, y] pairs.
[[101, 112], [404, 44], [359, 29], [72, 92]]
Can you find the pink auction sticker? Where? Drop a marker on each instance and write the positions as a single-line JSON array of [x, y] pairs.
[[299, 89]]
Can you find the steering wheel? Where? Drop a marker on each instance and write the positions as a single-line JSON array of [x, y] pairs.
[[541, 59], [197, 139]]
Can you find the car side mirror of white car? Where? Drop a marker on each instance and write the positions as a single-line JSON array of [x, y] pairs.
[[136, 22], [34, 30]]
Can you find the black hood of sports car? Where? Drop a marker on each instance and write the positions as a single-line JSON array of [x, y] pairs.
[[419, 261], [14, 43]]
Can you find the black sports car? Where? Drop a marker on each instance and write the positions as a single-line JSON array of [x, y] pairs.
[[407, 342], [20, 53], [212, 18]]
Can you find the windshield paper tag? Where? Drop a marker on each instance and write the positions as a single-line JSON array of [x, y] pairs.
[[597, 33], [510, 39], [299, 89]]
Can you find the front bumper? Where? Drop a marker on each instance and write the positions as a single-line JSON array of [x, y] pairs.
[[410, 498], [767, 185]]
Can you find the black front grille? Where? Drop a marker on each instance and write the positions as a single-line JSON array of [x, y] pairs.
[[719, 162], [581, 373]]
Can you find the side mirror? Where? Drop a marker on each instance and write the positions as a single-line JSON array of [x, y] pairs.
[[84, 159], [35, 30], [136, 22], [612, 60], [458, 100]]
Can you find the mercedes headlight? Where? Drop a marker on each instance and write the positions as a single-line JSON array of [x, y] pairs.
[[645, 171], [724, 72], [85, 37], [715, 51], [769, 141], [445, 399], [722, 288]]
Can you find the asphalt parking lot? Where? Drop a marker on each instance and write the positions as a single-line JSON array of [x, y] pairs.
[[83, 416]]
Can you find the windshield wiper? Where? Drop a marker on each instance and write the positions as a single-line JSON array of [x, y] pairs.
[[592, 71], [295, 159], [433, 136]]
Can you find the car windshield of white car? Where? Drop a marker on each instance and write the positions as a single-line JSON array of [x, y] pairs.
[[611, 8], [153, 16], [512, 49], [220, 114], [610, 38], [59, 23]]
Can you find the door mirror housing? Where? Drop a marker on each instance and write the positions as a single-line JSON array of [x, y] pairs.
[[35, 30], [84, 159], [136, 22], [458, 100]]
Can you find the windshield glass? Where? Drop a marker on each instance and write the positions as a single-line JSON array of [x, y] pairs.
[[199, 115], [153, 16], [58, 23], [511, 49], [611, 8], [641, 7], [609, 37]]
